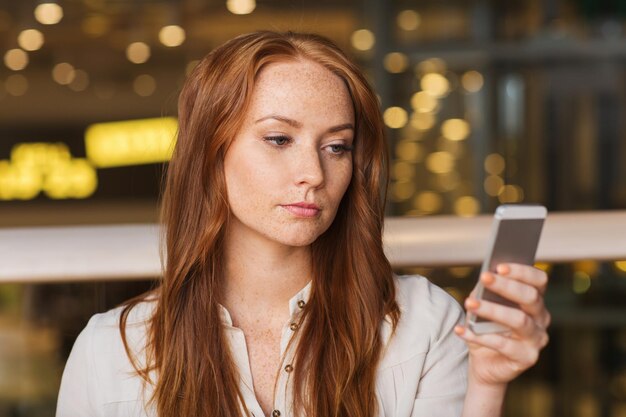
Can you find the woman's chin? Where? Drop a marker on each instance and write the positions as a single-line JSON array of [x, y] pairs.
[[298, 241]]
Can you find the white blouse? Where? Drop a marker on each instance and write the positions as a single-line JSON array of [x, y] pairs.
[[422, 372]]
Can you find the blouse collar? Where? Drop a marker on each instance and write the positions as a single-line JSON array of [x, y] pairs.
[[296, 303]]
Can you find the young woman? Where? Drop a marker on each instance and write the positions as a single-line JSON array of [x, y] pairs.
[[277, 298]]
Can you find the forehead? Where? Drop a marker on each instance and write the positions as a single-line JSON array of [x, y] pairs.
[[301, 89]]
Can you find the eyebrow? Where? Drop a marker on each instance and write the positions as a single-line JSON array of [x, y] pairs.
[[295, 123]]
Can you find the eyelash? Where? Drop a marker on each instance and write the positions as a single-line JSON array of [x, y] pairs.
[[343, 148]]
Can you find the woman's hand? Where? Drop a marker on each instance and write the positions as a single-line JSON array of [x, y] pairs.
[[497, 358]]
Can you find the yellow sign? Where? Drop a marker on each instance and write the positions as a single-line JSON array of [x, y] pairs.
[[132, 142], [47, 167]]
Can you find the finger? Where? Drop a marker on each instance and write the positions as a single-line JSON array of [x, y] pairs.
[[524, 273], [545, 319], [515, 319], [528, 297], [521, 354]]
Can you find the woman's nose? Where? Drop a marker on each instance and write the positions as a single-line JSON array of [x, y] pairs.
[[308, 168]]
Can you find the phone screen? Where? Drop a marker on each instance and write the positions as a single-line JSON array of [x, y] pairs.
[[516, 242]]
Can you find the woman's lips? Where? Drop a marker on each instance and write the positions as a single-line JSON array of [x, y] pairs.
[[300, 211]]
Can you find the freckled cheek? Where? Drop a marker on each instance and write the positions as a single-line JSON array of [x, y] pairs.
[[252, 185], [339, 180]]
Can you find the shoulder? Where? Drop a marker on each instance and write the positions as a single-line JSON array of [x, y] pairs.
[[106, 326], [419, 299], [428, 315], [113, 369], [423, 371], [140, 313]]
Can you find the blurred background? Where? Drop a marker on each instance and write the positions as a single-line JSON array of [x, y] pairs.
[[485, 102]]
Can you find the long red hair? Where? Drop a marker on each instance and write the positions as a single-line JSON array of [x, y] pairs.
[[352, 288]]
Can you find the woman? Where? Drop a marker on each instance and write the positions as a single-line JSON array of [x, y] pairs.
[[277, 298]]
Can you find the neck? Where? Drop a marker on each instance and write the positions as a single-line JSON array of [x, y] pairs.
[[261, 276]]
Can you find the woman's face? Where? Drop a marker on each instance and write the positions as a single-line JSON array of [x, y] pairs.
[[290, 163]]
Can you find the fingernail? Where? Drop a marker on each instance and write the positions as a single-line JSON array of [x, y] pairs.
[[503, 269], [471, 303], [459, 330], [487, 278]]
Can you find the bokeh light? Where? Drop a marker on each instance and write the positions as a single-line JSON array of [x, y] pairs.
[[402, 170], [402, 190], [130, 142], [30, 39], [440, 162], [138, 52], [493, 184], [172, 35], [544, 266], [16, 59], [38, 155], [472, 81], [494, 164], [466, 206], [423, 121], [437, 65], [395, 117], [446, 181], [241, 6], [588, 266], [408, 20], [48, 13], [581, 282], [456, 148], [409, 151], [63, 73], [73, 179], [428, 202], [144, 85], [16, 85], [190, 66], [423, 102], [396, 62], [48, 167], [460, 271], [511, 194], [435, 84], [18, 182], [363, 40], [80, 82], [455, 129]]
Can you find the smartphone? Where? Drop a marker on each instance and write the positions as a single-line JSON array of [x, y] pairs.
[[515, 234]]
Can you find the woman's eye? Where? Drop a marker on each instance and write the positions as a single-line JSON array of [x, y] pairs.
[[278, 140], [339, 149]]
